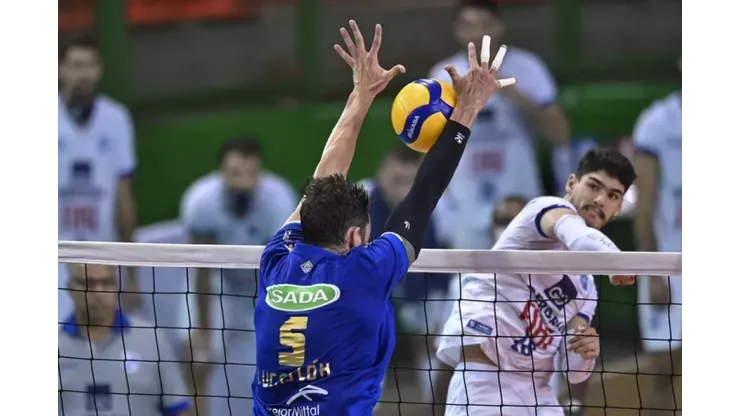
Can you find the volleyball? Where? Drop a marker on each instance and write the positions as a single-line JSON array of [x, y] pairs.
[[420, 112]]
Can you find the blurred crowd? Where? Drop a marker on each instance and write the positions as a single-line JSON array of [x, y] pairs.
[[105, 316]]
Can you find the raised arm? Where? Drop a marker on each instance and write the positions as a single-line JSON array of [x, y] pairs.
[[567, 226], [369, 80], [410, 219]]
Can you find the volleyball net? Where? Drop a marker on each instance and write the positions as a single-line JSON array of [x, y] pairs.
[[639, 367]]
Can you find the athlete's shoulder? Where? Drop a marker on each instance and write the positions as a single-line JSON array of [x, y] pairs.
[[658, 123], [525, 231], [272, 181], [112, 108], [201, 198], [661, 111], [204, 189], [546, 202], [519, 57]]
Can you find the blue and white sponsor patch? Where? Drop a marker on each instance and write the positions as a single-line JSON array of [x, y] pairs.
[[477, 326]]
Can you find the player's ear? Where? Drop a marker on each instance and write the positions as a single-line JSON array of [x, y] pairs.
[[571, 183], [354, 237]]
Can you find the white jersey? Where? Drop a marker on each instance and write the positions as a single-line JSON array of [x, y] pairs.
[[658, 132], [519, 320], [204, 210], [500, 160], [92, 160]]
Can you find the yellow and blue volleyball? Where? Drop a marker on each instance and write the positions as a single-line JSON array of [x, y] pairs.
[[420, 112]]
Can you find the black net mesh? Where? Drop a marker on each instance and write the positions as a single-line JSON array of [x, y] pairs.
[[143, 362]]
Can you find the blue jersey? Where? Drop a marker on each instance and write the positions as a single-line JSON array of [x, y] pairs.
[[325, 325]]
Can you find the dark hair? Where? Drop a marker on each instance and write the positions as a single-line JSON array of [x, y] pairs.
[[244, 146], [490, 6], [610, 161], [331, 205], [403, 154], [85, 41]]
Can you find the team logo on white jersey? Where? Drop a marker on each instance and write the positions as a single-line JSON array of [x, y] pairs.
[[562, 292]]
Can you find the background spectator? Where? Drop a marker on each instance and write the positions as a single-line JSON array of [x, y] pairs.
[[500, 159], [93, 342], [658, 227], [96, 160], [240, 204]]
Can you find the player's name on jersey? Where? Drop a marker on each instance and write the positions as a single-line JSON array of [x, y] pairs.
[[311, 372], [298, 298]]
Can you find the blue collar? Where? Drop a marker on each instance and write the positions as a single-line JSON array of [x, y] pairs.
[[312, 253], [71, 327]]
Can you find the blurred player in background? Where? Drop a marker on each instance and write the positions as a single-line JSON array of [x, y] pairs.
[[500, 159], [241, 204], [658, 143], [96, 161], [111, 363], [324, 320], [513, 325]]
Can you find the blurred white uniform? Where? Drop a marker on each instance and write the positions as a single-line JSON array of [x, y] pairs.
[[204, 210], [500, 159], [92, 160], [519, 321], [658, 132]]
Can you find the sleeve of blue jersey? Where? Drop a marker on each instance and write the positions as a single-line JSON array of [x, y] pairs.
[[282, 240], [387, 260]]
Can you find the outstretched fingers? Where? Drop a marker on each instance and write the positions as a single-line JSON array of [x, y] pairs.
[[396, 70], [472, 56], [496, 64], [345, 56], [348, 42], [359, 40], [499, 58], [377, 40], [453, 73]]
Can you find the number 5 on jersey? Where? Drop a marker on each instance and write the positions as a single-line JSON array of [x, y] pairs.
[[296, 341]]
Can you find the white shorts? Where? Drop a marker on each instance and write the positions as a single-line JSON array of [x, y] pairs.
[[481, 390], [660, 326]]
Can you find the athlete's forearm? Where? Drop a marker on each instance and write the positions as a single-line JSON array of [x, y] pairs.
[[340, 147], [411, 217], [572, 231]]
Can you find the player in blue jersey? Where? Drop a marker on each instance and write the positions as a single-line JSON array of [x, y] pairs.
[[324, 322]]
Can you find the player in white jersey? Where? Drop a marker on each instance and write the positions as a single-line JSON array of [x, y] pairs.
[[242, 204], [504, 335], [657, 139], [96, 160], [500, 159]]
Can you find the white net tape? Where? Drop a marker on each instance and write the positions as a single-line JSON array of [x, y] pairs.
[[429, 261]]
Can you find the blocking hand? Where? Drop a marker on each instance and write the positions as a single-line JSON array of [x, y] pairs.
[[367, 73], [476, 87]]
